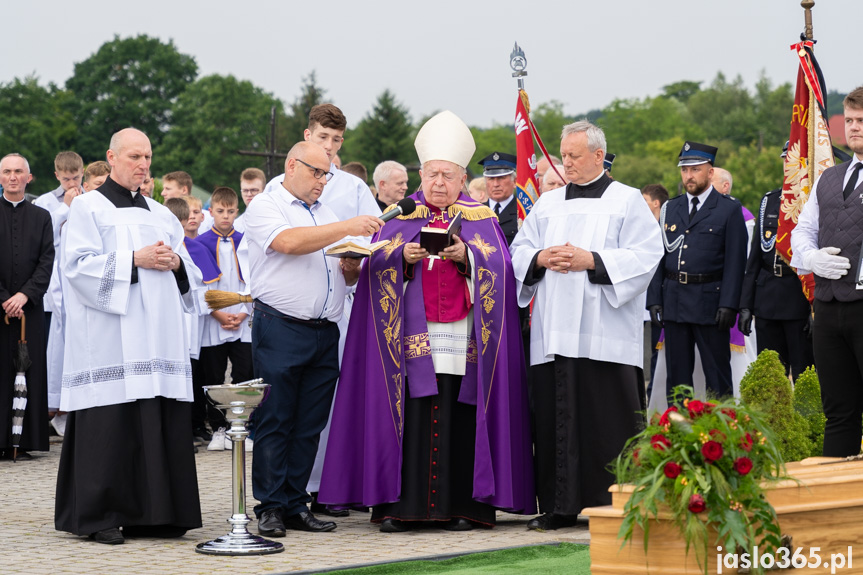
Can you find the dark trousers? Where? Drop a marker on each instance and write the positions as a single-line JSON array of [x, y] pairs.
[[586, 410], [714, 348], [787, 338], [838, 347], [213, 363], [301, 364]]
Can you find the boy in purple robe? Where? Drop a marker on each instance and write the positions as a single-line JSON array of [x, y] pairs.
[[226, 333], [431, 419]]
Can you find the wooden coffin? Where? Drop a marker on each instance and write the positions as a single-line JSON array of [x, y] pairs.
[[823, 510]]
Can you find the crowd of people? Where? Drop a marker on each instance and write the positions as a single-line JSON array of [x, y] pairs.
[[434, 384]]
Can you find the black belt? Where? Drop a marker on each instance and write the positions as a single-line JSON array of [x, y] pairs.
[[687, 278], [261, 306], [779, 268]]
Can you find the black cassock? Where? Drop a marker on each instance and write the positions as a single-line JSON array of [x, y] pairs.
[[26, 259], [584, 412], [129, 464]]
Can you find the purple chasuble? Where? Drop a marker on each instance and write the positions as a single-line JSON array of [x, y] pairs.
[[388, 358]]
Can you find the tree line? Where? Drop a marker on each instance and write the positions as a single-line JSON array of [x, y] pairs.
[[198, 124]]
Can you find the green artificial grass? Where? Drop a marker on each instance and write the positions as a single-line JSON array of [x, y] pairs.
[[565, 558]]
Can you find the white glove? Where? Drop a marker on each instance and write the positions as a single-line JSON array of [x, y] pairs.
[[826, 263]]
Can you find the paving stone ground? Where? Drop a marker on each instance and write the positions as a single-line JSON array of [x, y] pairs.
[[31, 546]]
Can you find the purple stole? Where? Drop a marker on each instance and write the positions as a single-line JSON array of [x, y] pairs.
[[388, 358], [210, 240], [204, 260]]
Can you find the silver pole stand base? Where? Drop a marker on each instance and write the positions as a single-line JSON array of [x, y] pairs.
[[237, 401], [239, 542]]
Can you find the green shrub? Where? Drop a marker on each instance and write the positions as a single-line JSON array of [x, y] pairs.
[[765, 387], [807, 402]]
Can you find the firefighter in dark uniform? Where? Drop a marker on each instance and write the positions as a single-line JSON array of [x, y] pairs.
[[499, 173], [696, 289], [773, 294]]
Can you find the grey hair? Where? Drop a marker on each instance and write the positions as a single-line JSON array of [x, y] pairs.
[[16, 155], [384, 171], [595, 135], [549, 174], [724, 175]]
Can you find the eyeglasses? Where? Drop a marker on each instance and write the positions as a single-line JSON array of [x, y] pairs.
[[250, 191], [317, 172]]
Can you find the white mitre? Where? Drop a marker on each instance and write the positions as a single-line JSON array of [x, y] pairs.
[[445, 137]]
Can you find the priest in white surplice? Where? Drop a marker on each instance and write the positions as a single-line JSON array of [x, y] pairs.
[[127, 457], [585, 254]]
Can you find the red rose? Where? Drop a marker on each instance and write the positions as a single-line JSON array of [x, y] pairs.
[[746, 442], [659, 442], [696, 503], [742, 465], [717, 435], [729, 412], [712, 450], [664, 419], [672, 470], [708, 407], [695, 408]]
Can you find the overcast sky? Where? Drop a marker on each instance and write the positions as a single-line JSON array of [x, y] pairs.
[[449, 54]]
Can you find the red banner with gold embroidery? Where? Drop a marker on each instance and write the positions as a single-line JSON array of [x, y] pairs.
[[526, 187], [810, 151]]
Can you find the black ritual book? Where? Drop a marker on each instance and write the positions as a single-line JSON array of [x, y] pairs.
[[435, 240]]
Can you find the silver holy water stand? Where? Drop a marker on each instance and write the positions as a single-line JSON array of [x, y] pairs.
[[238, 401]]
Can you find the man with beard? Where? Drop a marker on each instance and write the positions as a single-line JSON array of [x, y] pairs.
[[696, 290], [828, 233]]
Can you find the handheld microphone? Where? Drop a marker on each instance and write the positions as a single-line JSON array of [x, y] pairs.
[[403, 208]]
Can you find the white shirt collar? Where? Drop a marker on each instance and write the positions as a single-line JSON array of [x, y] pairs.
[[15, 204], [702, 198], [503, 203], [292, 199]]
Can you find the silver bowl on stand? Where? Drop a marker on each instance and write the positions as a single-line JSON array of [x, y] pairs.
[[238, 401]]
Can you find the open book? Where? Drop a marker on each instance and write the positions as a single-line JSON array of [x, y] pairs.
[[352, 250], [435, 240]]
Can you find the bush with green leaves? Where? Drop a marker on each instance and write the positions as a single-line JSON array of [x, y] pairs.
[[807, 402], [766, 387]]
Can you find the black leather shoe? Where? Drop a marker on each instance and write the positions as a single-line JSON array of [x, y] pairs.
[[458, 524], [551, 521], [393, 526], [321, 509], [110, 536], [305, 521], [270, 523]]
